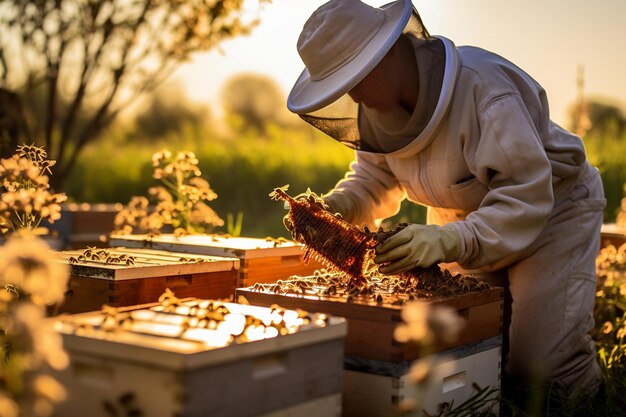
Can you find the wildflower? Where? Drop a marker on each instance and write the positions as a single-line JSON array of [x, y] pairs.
[[27, 199], [415, 327], [45, 345], [8, 408], [445, 323], [180, 203], [607, 327], [28, 263], [425, 325]]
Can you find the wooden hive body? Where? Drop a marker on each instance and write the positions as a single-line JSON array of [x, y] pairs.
[[612, 234], [93, 283], [261, 260], [371, 325], [165, 376], [376, 365]]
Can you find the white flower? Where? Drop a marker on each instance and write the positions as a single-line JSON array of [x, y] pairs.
[[28, 263], [425, 324]]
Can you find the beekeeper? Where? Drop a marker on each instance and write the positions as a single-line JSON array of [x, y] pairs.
[[468, 134]]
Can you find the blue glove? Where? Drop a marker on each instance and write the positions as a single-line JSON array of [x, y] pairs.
[[417, 245]]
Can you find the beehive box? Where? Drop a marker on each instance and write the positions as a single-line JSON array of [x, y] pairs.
[[612, 234], [262, 260], [120, 282], [154, 369], [374, 388], [85, 224], [371, 324]]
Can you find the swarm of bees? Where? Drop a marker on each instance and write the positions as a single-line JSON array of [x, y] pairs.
[[195, 314], [387, 289], [94, 254], [347, 252]]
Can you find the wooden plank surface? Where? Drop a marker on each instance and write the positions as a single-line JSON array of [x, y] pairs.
[[146, 263]]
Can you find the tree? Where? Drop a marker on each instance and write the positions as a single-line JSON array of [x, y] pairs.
[[255, 98], [95, 57], [604, 118], [169, 111]]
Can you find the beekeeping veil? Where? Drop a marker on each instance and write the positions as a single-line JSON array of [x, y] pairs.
[[340, 44]]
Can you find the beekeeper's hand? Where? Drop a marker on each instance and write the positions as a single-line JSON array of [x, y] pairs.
[[341, 203], [417, 245]]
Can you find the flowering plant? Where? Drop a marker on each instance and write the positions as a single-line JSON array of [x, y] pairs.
[[181, 202], [29, 280], [26, 199], [610, 307], [621, 216]]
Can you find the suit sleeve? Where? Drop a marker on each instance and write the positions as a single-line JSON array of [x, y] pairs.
[[508, 156], [372, 188]]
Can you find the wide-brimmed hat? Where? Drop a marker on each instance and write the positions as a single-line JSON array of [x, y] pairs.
[[340, 44]]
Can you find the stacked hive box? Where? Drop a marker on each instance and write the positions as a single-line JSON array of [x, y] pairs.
[[127, 276], [612, 234], [154, 361], [262, 260], [85, 224], [376, 364]]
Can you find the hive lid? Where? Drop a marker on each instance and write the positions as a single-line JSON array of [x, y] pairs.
[[207, 244], [152, 337], [131, 263]]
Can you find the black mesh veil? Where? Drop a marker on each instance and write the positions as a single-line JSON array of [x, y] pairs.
[[339, 119]]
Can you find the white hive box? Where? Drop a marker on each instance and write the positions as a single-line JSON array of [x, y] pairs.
[[159, 373], [377, 388], [262, 260]]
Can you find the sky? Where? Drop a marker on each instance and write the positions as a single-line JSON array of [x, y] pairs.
[[552, 40]]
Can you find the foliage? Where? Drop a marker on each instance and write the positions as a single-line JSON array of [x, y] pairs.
[[181, 203], [30, 279], [242, 170], [606, 152], [621, 215], [610, 309], [26, 199], [96, 57], [253, 101], [168, 112]]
